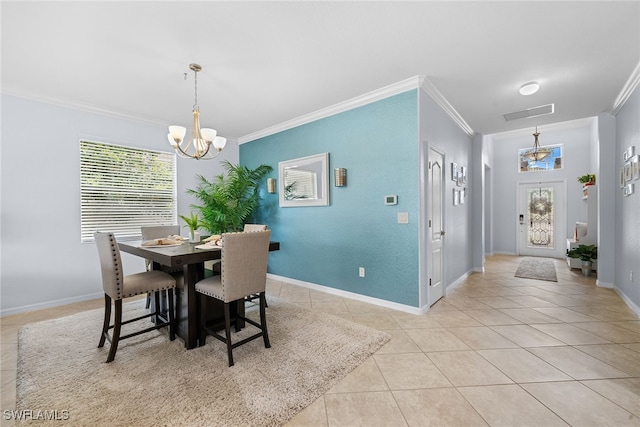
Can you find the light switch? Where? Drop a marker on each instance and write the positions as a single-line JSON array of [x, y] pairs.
[[403, 217]]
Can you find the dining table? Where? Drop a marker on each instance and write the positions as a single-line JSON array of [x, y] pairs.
[[188, 257]]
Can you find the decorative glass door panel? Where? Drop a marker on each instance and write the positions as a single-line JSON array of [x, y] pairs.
[[541, 218]]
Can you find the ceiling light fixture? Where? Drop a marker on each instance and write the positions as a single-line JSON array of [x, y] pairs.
[[537, 153], [200, 140], [529, 88]]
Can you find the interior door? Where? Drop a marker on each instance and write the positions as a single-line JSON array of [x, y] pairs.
[[541, 219], [436, 225]]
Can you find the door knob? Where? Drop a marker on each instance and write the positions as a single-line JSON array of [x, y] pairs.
[[442, 233]]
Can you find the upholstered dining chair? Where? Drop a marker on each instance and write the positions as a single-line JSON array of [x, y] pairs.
[[244, 272], [254, 227], [249, 228], [117, 287], [150, 232], [214, 265]]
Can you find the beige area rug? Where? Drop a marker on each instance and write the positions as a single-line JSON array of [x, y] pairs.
[[537, 268], [155, 382]]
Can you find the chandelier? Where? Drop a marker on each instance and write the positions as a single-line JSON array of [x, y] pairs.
[[537, 153], [198, 145]]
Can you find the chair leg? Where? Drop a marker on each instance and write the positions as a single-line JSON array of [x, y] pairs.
[[116, 331], [172, 316], [156, 296], [107, 319], [148, 304], [263, 320], [227, 331]]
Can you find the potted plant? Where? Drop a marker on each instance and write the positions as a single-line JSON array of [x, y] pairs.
[[228, 201], [588, 179], [586, 253], [194, 223]]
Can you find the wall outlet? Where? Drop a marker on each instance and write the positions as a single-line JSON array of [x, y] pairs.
[[361, 271], [403, 217]]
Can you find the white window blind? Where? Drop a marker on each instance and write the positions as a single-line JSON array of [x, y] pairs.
[[124, 188]]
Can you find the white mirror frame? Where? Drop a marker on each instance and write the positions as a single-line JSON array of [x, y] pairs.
[[316, 191]]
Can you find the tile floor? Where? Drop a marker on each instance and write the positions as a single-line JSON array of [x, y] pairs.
[[497, 350]]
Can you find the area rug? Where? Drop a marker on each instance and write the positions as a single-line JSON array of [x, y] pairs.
[[537, 268], [154, 381]]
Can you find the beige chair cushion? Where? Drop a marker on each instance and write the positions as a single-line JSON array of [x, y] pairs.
[[211, 286], [150, 281]]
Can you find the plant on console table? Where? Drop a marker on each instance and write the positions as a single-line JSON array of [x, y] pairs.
[[194, 224], [587, 254], [588, 179]]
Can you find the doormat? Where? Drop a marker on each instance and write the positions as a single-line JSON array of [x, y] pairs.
[[537, 268]]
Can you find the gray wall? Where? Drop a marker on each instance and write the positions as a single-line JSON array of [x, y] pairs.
[[627, 220], [439, 131], [43, 262]]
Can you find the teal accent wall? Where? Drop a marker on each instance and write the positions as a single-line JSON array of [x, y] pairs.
[[378, 145]]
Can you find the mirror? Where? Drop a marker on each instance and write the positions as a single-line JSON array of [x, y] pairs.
[[304, 181]]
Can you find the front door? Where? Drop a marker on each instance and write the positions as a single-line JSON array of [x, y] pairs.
[[436, 225], [541, 219]]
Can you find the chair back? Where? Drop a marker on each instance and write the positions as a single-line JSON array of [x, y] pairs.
[[254, 227], [110, 264], [244, 264], [150, 232]]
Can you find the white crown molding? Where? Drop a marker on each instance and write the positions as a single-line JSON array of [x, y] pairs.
[[435, 94], [367, 98], [626, 91], [84, 107]]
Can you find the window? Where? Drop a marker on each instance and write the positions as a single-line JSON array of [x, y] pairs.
[[124, 188], [547, 158]]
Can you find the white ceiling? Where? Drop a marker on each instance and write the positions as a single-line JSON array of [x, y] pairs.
[[268, 62]]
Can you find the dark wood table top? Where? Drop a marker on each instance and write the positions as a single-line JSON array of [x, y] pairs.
[[176, 256]]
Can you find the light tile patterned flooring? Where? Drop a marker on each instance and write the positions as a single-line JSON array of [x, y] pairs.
[[498, 350]]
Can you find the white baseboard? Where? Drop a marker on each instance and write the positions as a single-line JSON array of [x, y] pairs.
[[628, 301], [604, 284], [351, 295], [458, 281], [358, 297], [50, 304]]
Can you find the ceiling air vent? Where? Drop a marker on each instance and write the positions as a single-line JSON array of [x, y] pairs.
[[530, 112]]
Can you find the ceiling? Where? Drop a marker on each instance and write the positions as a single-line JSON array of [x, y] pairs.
[[265, 63]]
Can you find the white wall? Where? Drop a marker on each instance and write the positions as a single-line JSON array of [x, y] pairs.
[[576, 138], [42, 261], [627, 220]]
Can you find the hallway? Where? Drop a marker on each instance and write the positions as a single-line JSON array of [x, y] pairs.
[[498, 350]]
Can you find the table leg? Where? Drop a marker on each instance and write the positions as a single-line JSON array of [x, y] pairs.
[[192, 274]]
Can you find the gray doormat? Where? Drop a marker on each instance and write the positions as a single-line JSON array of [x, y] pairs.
[[537, 268]]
